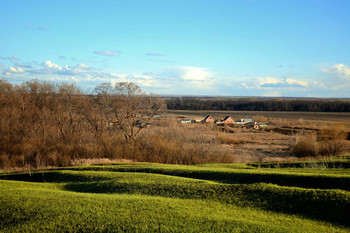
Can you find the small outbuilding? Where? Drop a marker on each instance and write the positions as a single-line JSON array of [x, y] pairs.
[[209, 119], [227, 120], [186, 121], [247, 120]]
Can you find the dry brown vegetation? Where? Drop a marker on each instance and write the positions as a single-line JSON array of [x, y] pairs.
[[309, 146], [48, 125], [278, 142]]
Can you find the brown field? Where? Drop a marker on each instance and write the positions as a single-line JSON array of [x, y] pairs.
[[326, 118], [272, 144]]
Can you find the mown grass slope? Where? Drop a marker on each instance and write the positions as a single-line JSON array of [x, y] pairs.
[[174, 198]]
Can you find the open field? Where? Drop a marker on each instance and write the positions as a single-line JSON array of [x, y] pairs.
[[274, 143], [130, 197], [328, 118]]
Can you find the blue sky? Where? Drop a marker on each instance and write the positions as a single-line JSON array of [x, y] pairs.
[[234, 47]]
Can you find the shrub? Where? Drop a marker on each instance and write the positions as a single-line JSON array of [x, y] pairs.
[[227, 139], [329, 148], [305, 146]]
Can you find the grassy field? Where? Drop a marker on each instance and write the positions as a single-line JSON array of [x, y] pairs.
[[140, 197]]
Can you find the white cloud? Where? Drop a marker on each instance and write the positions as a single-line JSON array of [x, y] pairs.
[[337, 77], [183, 80], [338, 70], [82, 73], [275, 83], [50, 64], [269, 81], [84, 66], [188, 73], [108, 53], [294, 82], [14, 70], [187, 80]]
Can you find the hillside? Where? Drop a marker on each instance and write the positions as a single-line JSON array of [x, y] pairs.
[[291, 197]]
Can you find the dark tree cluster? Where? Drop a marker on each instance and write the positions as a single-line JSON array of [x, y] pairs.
[[259, 104]]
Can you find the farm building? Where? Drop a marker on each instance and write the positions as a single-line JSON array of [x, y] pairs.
[[209, 119], [227, 120], [244, 121], [186, 121], [247, 120]]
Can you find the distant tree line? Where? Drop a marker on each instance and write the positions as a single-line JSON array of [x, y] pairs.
[[259, 104]]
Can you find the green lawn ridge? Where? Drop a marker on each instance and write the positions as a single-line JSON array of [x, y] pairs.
[[143, 197]]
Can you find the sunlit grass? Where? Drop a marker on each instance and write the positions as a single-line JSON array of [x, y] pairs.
[[39, 210], [171, 198]]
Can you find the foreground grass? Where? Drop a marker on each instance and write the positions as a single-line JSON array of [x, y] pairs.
[[332, 178], [170, 198]]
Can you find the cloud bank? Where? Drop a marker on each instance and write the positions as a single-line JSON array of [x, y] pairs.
[[275, 83], [337, 77], [340, 71], [182, 80]]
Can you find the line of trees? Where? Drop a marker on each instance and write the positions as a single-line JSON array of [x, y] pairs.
[[43, 123], [259, 104]]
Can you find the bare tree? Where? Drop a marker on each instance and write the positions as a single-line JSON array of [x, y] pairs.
[[92, 113], [68, 119], [7, 114], [127, 107]]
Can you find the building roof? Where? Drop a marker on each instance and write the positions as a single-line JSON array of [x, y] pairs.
[[208, 117], [226, 118]]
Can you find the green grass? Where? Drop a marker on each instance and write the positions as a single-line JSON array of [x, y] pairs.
[[172, 198], [302, 177]]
